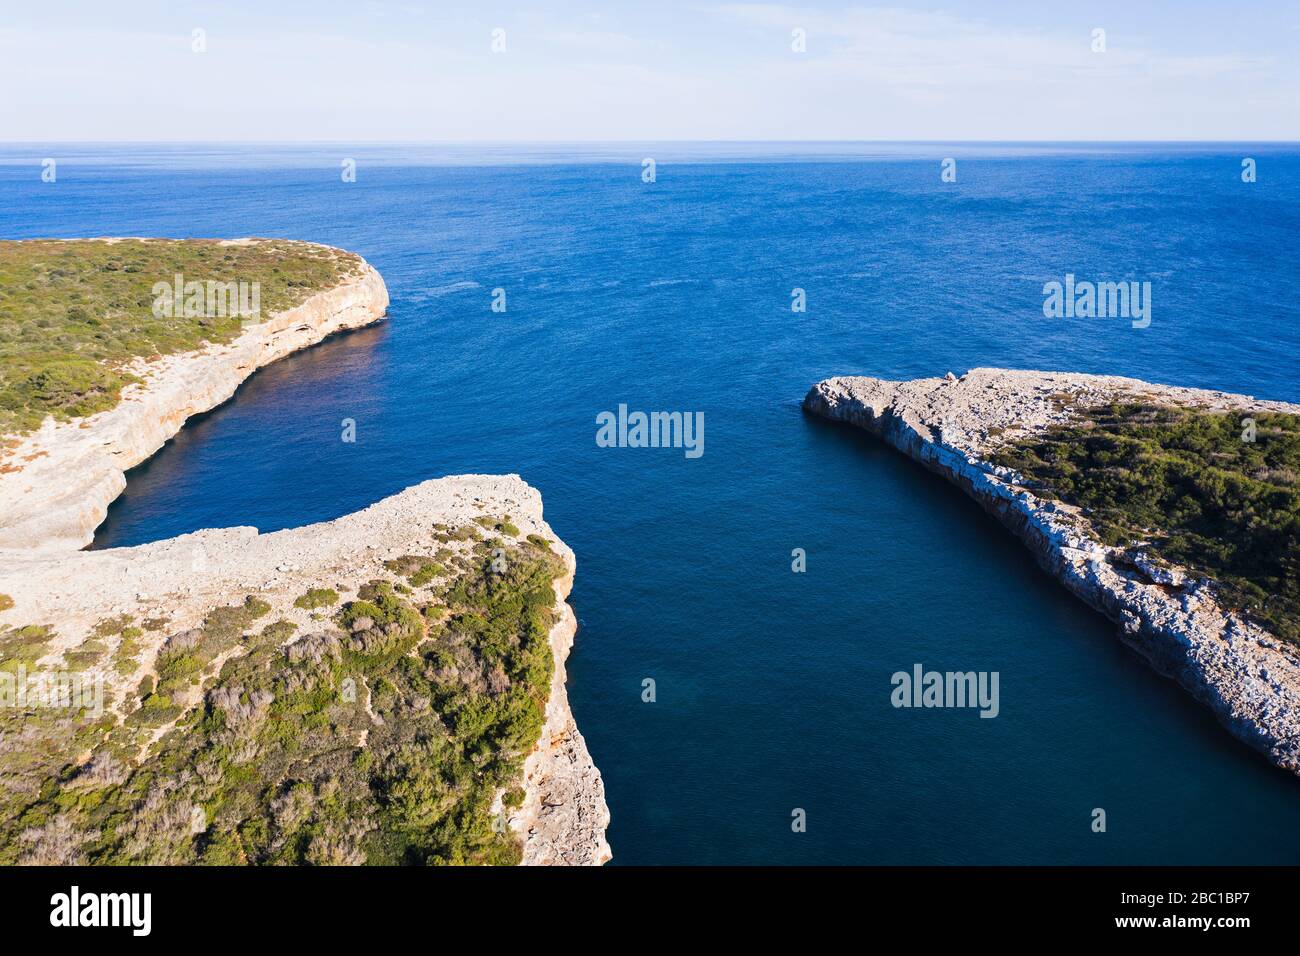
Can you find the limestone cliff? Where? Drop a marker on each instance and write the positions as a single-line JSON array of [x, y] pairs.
[[58, 481], [1249, 678], [564, 816], [181, 580]]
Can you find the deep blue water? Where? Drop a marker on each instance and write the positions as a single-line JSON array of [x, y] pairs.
[[773, 687]]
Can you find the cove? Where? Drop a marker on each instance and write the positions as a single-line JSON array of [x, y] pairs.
[[772, 688]]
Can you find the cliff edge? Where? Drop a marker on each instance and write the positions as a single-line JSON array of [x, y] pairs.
[[1173, 617], [261, 659], [57, 482]]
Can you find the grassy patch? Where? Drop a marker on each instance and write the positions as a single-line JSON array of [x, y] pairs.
[[317, 597], [73, 314], [417, 570], [1185, 481], [502, 525], [86, 655], [126, 657], [23, 645], [278, 632], [466, 532], [112, 625], [273, 756]]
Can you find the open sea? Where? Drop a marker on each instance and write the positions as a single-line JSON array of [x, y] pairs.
[[773, 688]]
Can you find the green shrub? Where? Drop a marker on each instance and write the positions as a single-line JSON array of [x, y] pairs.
[[282, 752], [1223, 507], [224, 626], [86, 655], [426, 573], [279, 631], [73, 314], [178, 670], [23, 645], [112, 625], [317, 597]]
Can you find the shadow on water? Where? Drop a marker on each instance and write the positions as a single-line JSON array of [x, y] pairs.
[[904, 568], [159, 491], [1167, 726]]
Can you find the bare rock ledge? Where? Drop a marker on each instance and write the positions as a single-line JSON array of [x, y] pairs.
[[1246, 676]]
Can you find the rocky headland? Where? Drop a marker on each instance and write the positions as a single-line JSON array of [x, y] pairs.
[[1173, 616], [157, 596], [57, 482]]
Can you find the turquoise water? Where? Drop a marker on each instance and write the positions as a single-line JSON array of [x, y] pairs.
[[772, 687]]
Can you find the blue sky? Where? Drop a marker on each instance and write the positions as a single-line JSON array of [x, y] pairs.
[[371, 70]]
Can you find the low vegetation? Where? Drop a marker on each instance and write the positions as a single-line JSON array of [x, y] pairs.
[[73, 314], [22, 645], [316, 598], [502, 525], [417, 570], [1207, 491], [381, 736]]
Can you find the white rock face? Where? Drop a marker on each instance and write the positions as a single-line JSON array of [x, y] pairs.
[[1246, 676], [56, 484], [564, 816]]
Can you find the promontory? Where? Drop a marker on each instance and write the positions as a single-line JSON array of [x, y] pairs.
[[1173, 511]]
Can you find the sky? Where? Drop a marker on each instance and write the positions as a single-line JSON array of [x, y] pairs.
[[366, 70]]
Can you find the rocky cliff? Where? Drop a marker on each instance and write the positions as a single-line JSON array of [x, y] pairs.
[[564, 816], [1249, 678], [57, 482], [177, 584]]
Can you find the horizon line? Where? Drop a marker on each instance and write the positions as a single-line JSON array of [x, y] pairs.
[[593, 142]]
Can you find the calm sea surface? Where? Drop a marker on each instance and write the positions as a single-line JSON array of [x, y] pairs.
[[773, 687]]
